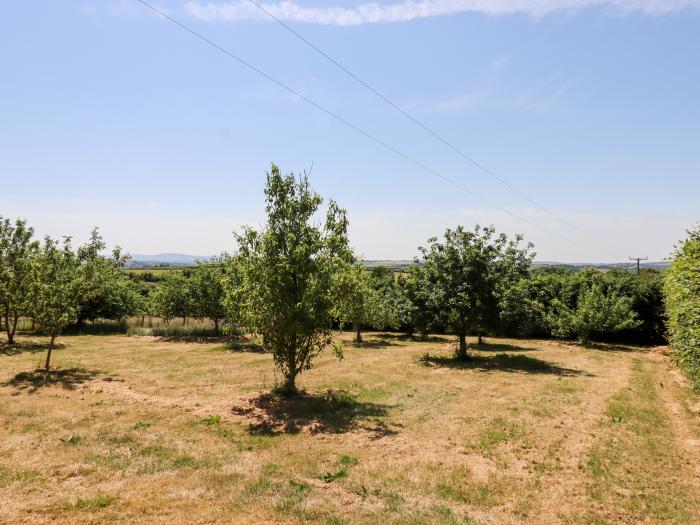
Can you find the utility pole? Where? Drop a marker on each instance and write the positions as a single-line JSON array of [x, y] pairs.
[[638, 259]]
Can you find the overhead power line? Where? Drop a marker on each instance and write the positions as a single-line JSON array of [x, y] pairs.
[[425, 127], [638, 259], [352, 126]]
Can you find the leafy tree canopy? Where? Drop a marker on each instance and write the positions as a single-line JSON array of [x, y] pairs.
[[467, 272], [17, 250], [287, 274]]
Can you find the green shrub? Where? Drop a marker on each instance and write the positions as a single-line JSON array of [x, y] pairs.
[[682, 299]]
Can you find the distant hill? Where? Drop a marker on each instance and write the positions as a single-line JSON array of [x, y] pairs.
[[653, 265], [389, 263], [139, 260]]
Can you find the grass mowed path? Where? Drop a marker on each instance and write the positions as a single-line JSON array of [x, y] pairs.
[[149, 430]]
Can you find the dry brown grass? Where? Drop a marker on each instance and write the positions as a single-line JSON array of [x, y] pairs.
[[144, 430]]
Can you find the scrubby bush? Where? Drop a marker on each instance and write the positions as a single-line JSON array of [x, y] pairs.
[[595, 312], [682, 299]]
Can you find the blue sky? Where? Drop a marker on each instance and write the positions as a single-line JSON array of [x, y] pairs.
[[112, 116]]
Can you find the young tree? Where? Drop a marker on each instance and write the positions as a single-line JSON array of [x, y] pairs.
[[53, 289], [174, 298], [356, 299], [207, 289], [391, 308], [287, 274], [103, 291], [467, 273], [595, 312], [419, 312], [16, 253]]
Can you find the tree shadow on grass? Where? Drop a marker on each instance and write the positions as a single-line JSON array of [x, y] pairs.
[[504, 347], [416, 338], [196, 338], [372, 342], [329, 412], [242, 346], [501, 363], [68, 378], [20, 347], [607, 347]]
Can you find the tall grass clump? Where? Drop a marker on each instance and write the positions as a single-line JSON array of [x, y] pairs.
[[682, 299], [98, 327], [158, 327]]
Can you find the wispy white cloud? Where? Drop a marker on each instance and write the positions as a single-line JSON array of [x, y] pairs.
[[544, 93], [407, 10], [500, 62], [465, 101]]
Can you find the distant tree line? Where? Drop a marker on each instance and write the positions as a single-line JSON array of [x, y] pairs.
[[296, 279]]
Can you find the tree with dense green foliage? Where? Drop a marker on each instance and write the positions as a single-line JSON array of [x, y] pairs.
[[391, 308], [53, 289], [682, 299], [595, 312], [206, 285], [17, 250], [467, 273], [419, 314], [287, 274], [530, 308], [173, 298], [103, 290], [355, 298], [525, 305], [646, 292]]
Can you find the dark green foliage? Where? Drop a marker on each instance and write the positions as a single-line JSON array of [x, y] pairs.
[[533, 306], [682, 298], [596, 311]]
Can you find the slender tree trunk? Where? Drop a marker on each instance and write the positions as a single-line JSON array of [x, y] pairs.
[[585, 339], [10, 334], [216, 326], [290, 387], [358, 333], [184, 320], [33, 324], [48, 354], [462, 352], [15, 318], [478, 334]]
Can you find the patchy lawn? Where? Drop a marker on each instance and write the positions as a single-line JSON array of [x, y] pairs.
[[143, 430]]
